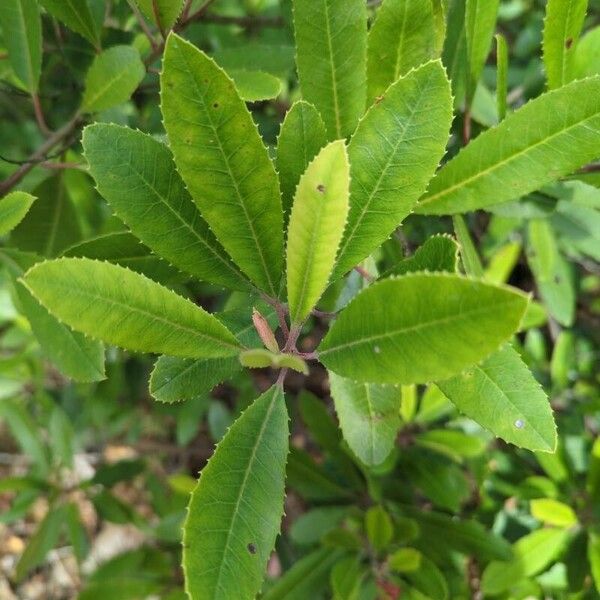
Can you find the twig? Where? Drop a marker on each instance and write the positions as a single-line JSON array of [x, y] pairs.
[[39, 115], [591, 168], [41, 154], [466, 126], [62, 165], [364, 274]]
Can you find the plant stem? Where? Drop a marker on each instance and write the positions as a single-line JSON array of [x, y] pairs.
[[39, 115], [40, 154]]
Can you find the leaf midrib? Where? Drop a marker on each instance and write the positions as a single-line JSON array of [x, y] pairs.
[[501, 163], [413, 328]]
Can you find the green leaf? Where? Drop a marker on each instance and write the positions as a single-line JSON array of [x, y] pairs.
[[25, 431], [127, 309], [137, 176], [223, 161], [369, 417], [470, 257], [162, 12], [379, 527], [276, 59], [545, 140], [388, 334], [402, 38], [553, 512], [235, 511], [503, 396], [467, 537], [123, 248], [562, 27], [113, 77], [454, 444], [532, 554], [551, 271], [41, 542], [393, 155], [480, 21], [253, 86], [13, 209], [593, 552], [405, 560], [260, 358], [74, 354], [501, 75], [76, 531], [438, 253], [429, 580], [301, 137], [76, 15], [331, 56], [316, 228], [307, 578], [22, 27], [51, 225], [587, 55], [177, 379], [454, 53]]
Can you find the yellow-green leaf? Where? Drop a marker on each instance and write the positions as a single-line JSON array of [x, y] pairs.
[[13, 209], [316, 228], [124, 308]]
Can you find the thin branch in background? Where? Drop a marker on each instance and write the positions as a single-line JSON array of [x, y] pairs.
[[591, 168], [466, 134], [364, 274], [59, 166], [39, 115], [186, 10], [41, 154]]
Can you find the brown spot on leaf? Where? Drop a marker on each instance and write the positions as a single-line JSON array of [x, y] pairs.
[[379, 99], [568, 43], [252, 548], [321, 188]]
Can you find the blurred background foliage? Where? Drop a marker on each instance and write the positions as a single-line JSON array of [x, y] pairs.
[[95, 477]]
